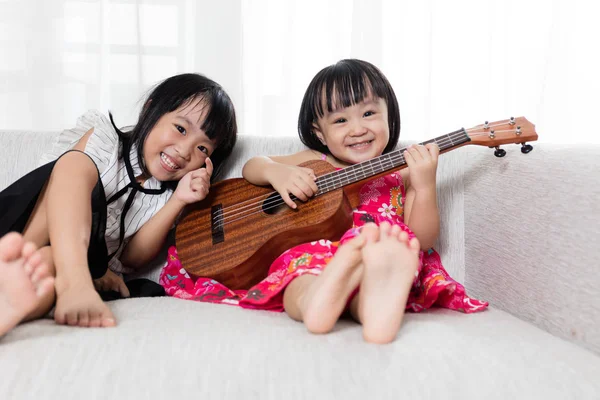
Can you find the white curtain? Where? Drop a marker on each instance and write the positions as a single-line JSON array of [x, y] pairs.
[[452, 64]]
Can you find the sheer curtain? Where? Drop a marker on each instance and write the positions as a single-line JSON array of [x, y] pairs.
[[60, 58], [451, 64]]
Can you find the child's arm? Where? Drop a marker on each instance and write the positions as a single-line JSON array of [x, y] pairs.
[[146, 243], [284, 175], [420, 211]]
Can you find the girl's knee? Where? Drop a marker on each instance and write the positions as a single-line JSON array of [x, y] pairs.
[[73, 169], [73, 159]]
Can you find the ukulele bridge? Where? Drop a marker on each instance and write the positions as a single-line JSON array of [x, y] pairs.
[[216, 224]]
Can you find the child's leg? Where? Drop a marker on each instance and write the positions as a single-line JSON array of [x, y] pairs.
[[24, 280], [36, 229], [36, 232], [319, 301], [390, 267], [64, 215]]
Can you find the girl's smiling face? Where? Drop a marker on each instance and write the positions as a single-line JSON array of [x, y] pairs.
[[177, 144], [356, 133]]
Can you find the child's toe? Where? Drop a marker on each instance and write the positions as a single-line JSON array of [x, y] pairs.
[[414, 245], [11, 246], [28, 250], [403, 237], [370, 232], [384, 229], [84, 319], [40, 272], [95, 320], [108, 322], [107, 318], [72, 318], [44, 286]]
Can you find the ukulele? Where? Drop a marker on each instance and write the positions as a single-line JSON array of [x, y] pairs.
[[236, 232]]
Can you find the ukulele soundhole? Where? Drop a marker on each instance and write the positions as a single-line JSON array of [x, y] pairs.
[[274, 204]]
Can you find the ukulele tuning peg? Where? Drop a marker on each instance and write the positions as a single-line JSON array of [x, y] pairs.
[[486, 125], [511, 121], [526, 148], [499, 152], [518, 131], [492, 134]]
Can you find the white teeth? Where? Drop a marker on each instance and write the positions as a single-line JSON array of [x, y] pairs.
[[167, 161], [361, 143]]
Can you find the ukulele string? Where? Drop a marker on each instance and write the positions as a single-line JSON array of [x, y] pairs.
[[487, 133], [322, 179], [389, 163], [326, 179], [492, 125], [278, 200]]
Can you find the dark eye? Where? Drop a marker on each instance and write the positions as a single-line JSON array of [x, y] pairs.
[[181, 129], [340, 121], [369, 113], [203, 149]]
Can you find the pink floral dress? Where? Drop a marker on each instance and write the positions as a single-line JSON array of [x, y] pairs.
[[381, 199]]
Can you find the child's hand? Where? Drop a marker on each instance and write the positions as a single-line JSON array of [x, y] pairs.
[[287, 179], [422, 165], [111, 281], [194, 185]]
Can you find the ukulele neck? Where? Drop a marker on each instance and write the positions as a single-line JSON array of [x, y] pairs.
[[381, 165]]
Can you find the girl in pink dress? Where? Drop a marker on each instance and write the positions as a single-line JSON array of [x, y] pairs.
[[385, 263]]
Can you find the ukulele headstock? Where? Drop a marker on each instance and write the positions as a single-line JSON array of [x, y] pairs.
[[493, 134]]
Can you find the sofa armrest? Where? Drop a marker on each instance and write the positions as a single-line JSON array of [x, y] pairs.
[[532, 236]]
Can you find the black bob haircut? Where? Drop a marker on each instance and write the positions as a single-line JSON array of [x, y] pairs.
[[348, 81], [179, 90]]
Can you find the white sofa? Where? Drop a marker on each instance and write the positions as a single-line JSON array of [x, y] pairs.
[[521, 232]]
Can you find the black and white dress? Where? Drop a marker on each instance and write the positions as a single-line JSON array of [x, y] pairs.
[[120, 205]]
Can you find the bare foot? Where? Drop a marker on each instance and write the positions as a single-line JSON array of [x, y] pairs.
[[326, 298], [81, 305], [24, 280], [390, 267]]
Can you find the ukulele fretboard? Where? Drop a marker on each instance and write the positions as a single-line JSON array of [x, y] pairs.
[[383, 163]]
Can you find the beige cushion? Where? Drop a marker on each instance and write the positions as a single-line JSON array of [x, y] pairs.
[[170, 348]]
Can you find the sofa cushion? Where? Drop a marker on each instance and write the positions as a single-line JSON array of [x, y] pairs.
[[170, 348]]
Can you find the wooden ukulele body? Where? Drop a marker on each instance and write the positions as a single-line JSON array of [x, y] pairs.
[[253, 236]]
